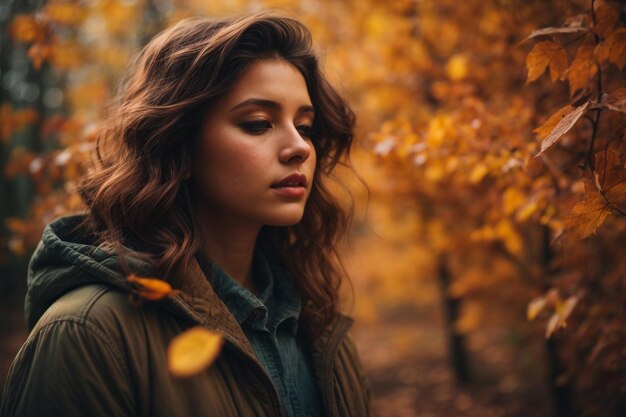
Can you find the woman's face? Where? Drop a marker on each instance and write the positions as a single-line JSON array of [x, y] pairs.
[[256, 162]]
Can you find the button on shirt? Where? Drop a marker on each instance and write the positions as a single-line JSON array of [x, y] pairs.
[[270, 321]]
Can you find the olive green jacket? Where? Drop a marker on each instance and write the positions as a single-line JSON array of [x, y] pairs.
[[92, 352]]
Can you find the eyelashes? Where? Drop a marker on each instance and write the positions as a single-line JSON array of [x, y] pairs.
[[258, 127]]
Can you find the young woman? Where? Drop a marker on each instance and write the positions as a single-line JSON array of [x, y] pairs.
[[210, 174]]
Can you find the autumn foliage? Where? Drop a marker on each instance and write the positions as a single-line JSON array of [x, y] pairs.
[[494, 148]]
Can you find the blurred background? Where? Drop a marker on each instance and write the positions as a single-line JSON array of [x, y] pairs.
[[487, 255]]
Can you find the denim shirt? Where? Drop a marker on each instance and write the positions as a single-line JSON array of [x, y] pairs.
[[270, 322]]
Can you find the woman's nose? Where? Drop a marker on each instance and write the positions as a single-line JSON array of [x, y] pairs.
[[296, 147]]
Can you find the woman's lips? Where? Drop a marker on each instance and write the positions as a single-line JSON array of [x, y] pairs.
[[290, 191], [293, 185]]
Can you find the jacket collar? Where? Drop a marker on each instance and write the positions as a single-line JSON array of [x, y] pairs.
[[198, 303]]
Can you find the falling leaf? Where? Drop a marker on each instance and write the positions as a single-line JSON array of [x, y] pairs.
[[150, 288], [566, 122], [546, 53], [193, 351], [583, 68]]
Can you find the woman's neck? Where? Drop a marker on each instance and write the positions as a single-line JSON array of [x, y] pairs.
[[232, 248]]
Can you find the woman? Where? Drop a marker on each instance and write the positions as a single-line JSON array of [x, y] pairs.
[[210, 175]]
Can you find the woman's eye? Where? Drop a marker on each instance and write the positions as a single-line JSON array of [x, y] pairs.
[[306, 131], [256, 127]]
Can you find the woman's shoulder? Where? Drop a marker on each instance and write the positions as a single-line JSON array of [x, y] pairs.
[[73, 359], [89, 305]]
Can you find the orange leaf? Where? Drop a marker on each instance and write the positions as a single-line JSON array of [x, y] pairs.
[[545, 129], [583, 68], [616, 194], [613, 48], [193, 351], [587, 215], [566, 122], [150, 288], [606, 17], [543, 54], [24, 28]]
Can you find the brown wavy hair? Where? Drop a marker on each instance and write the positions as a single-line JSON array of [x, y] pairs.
[[136, 192]]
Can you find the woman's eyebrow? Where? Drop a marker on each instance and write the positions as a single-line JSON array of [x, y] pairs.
[[270, 105]]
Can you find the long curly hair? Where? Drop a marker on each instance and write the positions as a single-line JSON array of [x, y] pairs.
[[137, 193]]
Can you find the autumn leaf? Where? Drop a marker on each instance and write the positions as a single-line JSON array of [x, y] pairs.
[[545, 129], [193, 351], [615, 101], [39, 53], [24, 28], [583, 68], [606, 17], [535, 307], [616, 194], [543, 54], [587, 215], [65, 13], [563, 121], [555, 31], [457, 67], [610, 169], [563, 309], [150, 288], [613, 48]]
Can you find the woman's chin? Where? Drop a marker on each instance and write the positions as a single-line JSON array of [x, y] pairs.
[[286, 219]]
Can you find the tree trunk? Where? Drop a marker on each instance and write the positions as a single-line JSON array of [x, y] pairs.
[[456, 341]]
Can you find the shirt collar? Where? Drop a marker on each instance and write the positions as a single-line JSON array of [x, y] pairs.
[[278, 293]]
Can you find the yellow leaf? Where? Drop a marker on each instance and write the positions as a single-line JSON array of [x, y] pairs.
[[527, 211], [457, 68], [552, 324], [535, 307], [478, 173], [512, 200], [150, 288], [564, 309], [193, 351], [543, 54], [510, 237], [583, 68]]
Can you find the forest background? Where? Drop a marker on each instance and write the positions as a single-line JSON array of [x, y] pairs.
[[487, 256]]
